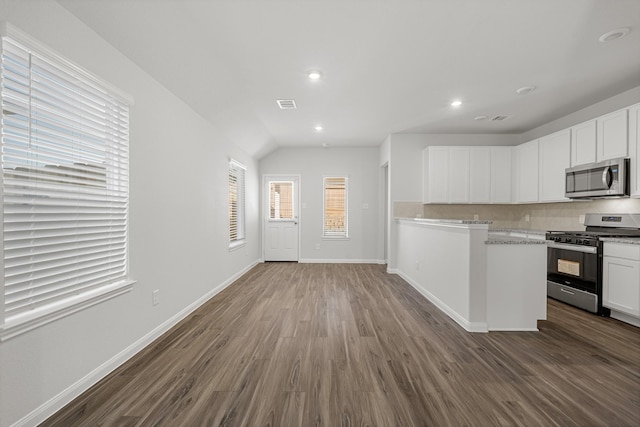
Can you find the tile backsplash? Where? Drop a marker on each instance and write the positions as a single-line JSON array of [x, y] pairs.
[[538, 216]]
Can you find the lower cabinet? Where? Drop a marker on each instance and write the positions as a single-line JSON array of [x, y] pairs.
[[621, 278]]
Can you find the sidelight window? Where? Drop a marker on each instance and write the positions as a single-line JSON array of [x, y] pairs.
[[237, 173]]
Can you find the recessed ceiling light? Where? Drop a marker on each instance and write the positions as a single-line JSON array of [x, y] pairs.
[[318, 128], [525, 89], [314, 75], [479, 118], [456, 103], [325, 145], [614, 34]]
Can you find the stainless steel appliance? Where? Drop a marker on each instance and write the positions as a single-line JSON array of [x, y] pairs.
[[574, 259], [604, 179]]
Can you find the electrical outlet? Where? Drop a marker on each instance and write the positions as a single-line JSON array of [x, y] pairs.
[[581, 219], [156, 296], [317, 246], [527, 218], [417, 265], [476, 217]]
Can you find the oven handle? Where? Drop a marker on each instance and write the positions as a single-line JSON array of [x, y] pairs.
[[575, 248]]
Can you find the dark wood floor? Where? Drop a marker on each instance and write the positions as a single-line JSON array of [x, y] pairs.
[[349, 345]]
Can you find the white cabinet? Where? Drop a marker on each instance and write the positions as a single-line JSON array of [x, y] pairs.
[[612, 137], [480, 174], [634, 148], [500, 175], [436, 175], [555, 156], [621, 278], [526, 172], [462, 174], [604, 138], [583, 143], [459, 175]]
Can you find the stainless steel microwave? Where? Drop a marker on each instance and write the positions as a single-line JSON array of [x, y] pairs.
[[609, 178]]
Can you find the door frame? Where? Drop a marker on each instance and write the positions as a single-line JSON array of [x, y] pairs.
[[264, 206]]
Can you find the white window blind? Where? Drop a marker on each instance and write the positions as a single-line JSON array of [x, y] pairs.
[[336, 218], [236, 202], [65, 184], [281, 203]]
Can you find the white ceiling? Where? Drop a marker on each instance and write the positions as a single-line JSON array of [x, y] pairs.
[[389, 66]]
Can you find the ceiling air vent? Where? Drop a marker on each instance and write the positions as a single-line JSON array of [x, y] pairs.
[[499, 118], [287, 104]]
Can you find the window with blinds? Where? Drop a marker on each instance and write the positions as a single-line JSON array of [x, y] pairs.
[[236, 203], [65, 185], [336, 223]]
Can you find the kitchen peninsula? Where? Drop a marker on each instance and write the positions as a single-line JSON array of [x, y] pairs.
[[483, 281]]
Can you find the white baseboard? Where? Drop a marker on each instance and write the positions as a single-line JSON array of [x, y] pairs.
[[339, 261], [623, 317], [53, 405], [466, 325]]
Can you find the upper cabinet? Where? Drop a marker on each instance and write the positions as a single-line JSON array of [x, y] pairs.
[[461, 174], [500, 175], [480, 174], [435, 175], [534, 171], [583, 143], [612, 138], [600, 139], [525, 158], [634, 148], [555, 156]]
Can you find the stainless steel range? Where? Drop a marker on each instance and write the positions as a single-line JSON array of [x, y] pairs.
[[574, 259]]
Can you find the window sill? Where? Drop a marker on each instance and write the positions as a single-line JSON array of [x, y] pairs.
[[237, 245], [39, 317], [335, 238]]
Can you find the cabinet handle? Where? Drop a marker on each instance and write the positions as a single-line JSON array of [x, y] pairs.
[[566, 291]]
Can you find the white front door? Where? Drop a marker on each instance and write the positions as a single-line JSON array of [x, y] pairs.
[[281, 218]]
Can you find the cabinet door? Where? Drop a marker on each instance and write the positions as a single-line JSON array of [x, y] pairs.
[[480, 174], [438, 174], [583, 143], [612, 141], [621, 285], [555, 156], [527, 172], [501, 174], [459, 175], [634, 148]]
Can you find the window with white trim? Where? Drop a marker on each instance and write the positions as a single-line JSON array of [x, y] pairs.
[[336, 213], [237, 173], [65, 186]]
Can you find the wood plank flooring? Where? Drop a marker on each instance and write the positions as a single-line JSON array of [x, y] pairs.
[[349, 345]]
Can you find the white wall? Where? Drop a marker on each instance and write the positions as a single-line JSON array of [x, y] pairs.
[[608, 105], [178, 229], [312, 164]]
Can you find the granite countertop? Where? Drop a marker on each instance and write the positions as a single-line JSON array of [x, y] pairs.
[[510, 240], [627, 240], [447, 221], [514, 230]]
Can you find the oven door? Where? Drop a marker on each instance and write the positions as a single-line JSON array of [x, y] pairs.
[[573, 265]]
